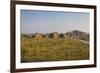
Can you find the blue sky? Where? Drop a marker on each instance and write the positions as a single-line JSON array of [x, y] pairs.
[[34, 21]]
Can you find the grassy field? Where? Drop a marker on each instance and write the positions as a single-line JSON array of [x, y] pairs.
[[53, 49]]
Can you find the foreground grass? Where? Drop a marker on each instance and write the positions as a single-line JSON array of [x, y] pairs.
[[50, 49]]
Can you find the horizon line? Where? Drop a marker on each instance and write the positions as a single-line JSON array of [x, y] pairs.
[[55, 31]]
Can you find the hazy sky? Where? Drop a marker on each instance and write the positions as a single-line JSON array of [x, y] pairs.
[[33, 21]]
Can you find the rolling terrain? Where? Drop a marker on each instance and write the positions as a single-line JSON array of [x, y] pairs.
[[54, 46]]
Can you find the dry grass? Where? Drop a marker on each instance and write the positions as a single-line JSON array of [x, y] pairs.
[[50, 49]]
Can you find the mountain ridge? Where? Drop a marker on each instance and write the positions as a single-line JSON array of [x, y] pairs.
[[74, 34]]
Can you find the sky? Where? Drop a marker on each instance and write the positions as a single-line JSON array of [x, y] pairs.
[[36, 21]]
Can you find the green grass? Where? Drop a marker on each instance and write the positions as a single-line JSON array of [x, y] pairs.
[[51, 49]]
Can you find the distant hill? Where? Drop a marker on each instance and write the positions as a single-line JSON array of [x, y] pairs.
[[73, 34], [79, 35]]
